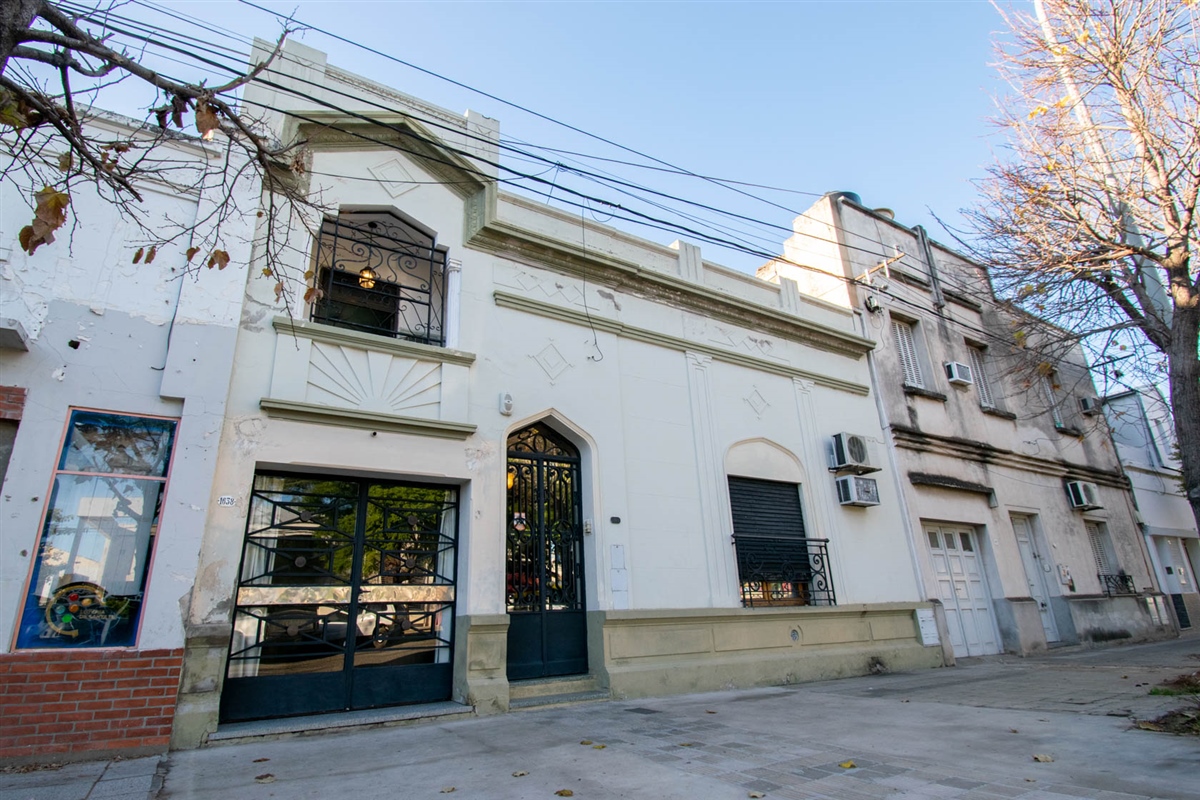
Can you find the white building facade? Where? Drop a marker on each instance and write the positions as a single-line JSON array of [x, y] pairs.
[[503, 445], [1017, 506], [1143, 431], [114, 377]]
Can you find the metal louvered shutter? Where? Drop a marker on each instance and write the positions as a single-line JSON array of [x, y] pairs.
[[906, 350], [982, 385], [765, 508]]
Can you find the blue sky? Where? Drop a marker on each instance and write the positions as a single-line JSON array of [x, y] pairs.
[[886, 99]]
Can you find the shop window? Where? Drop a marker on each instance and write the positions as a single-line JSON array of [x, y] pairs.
[[89, 577], [381, 273]]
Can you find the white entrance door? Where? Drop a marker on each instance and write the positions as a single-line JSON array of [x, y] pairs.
[[962, 589], [1036, 568]]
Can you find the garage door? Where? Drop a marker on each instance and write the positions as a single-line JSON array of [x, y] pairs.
[[963, 591]]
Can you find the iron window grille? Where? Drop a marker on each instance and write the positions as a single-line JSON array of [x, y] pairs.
[[778, 564], [784, 570], [1117, 584], [380, 273]]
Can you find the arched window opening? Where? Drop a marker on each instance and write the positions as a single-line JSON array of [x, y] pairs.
[[379, 272]]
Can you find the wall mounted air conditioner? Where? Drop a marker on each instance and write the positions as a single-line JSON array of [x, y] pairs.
[[851, 454], [958, 374], [1084, 496], [1089, 405], [855, 491]]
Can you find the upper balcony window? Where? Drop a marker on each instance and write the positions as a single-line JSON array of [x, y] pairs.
[[380, 272]]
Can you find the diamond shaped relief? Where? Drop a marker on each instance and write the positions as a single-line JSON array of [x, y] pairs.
[[758, 404], [394, 177], [552, 362]]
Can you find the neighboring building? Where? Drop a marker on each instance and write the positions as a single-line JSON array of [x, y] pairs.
[[506, 444], [1017, 504], [1144, 433], [113, 378]]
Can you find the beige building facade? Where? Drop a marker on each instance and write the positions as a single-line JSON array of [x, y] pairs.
[[1019, 511]]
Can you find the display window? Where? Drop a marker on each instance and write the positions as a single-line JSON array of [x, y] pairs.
[[89, 578]]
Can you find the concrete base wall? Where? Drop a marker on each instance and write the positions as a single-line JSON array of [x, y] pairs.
[[653, 653], [1100, 619], [481, 662]]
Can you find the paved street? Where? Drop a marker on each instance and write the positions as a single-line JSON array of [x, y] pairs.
[[969, 732]]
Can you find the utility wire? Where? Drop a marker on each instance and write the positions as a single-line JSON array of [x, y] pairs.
[[637, 218]]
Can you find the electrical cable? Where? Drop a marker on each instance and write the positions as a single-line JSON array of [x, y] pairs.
[[645, 220]]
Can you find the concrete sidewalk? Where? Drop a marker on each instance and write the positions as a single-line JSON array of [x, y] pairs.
[[968, 732]]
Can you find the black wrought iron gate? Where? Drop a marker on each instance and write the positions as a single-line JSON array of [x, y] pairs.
[[345, 598], [547, 629]]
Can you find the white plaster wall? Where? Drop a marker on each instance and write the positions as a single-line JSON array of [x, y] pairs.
[[151, 340], [630, 405]]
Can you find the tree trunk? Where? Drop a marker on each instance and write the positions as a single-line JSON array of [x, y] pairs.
[[15, 18], [1184, 379]]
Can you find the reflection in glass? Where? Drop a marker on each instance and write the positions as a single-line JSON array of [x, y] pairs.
[[341, 574], [98, 537]]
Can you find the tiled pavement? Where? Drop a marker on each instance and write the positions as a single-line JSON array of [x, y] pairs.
[[970, 732], [125, 779]]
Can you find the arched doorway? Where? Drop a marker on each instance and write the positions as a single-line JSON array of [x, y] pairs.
[[547, 631]]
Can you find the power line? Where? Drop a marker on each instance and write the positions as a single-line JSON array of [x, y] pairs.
[[638, 218]]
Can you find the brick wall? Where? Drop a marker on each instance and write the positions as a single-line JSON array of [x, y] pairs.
[[12, 402], [59, 704]]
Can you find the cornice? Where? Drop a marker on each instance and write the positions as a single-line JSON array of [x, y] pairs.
[[505, 239], [551, 311], [367, 420], [984, 453], [330, 334]]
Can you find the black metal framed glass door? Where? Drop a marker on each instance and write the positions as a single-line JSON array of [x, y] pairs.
[[547, 629], [345, 598]]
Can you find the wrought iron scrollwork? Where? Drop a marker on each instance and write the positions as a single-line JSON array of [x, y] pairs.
[[784, 570], [377, 273]]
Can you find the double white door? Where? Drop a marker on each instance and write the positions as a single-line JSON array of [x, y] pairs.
[[962, 588]]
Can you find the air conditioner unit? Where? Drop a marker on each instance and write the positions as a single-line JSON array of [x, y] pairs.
[[855, 491], [958, 374], [1089, 405], [851, 454], [1084, 496]]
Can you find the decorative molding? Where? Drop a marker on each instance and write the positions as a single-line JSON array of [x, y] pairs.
[[984, 453], [395, 178], [506, 300], [489, 234], [350, 377], [367, 420], [552, 362], [714, 488], [331, 334], [758, 404], [948, 482]]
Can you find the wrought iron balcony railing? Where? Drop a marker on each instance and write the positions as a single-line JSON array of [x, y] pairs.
[[1117, 584], [784, 570]]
